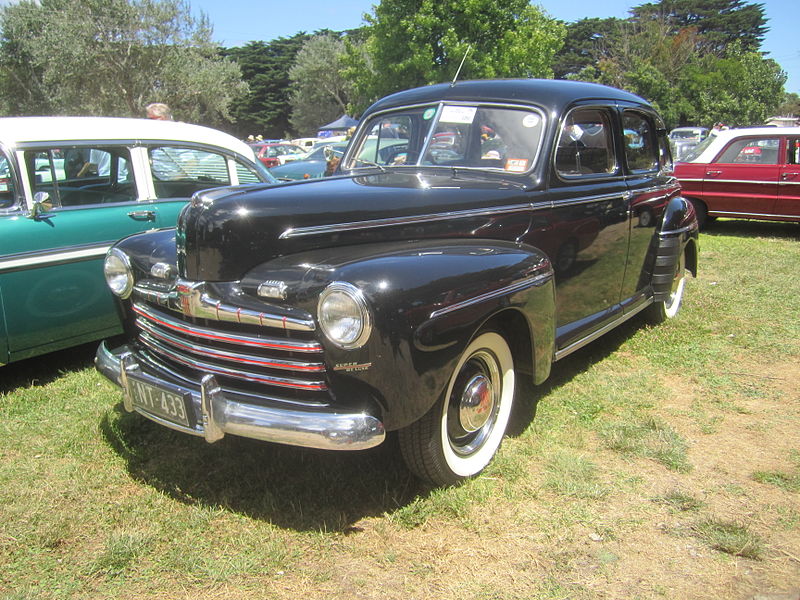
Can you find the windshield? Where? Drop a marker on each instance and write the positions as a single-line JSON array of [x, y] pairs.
[[452, 135]]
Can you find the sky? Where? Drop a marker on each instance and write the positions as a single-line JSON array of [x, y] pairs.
[[237, 22]]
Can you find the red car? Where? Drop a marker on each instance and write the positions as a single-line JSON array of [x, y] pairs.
[[744, 174], [274, 154]]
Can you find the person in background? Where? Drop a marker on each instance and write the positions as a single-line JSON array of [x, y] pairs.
[[158, 111]]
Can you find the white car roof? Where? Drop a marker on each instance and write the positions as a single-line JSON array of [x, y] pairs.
[[721, 138], [18, 130]]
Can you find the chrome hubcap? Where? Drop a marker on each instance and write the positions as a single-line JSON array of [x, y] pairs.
[[477, 402], [474, 402]]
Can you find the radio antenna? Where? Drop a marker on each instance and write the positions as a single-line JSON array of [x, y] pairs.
[[469, 47]]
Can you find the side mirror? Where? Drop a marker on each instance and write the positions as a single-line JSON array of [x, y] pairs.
[[41, 206]]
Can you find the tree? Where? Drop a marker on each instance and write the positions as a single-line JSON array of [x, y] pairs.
[[586, 42], [265, 109], [790, 106], [113, 57], [319, 91], [719, 23], [418, 42], [739, 89]]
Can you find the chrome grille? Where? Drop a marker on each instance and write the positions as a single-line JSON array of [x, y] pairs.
[[277, 362]]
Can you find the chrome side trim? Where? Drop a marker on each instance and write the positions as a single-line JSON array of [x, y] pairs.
[[217, 336], [605, 329], [409, 220], [191, 299], [322, 429], [622, 195], [722, 213], [26, 260], [534, 280], [714, 180], [192, 362]]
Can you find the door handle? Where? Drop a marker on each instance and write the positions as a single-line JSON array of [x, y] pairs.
[[713, 173], [143, 215], [789, 175]]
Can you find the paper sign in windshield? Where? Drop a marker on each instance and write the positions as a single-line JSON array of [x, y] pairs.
[[517, 165], [458, 114]]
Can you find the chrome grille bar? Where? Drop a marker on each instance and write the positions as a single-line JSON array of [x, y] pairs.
[[213, 335], [207, 367], [235, 357]]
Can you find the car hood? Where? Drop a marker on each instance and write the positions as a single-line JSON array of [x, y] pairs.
[[225, 232]]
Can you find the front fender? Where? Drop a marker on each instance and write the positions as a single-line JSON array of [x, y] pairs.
[[427, 301]]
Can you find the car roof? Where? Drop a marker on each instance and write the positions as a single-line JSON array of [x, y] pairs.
[[722, 137], [19, 130], [550, 94]]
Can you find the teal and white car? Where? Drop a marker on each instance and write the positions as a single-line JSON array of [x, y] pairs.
[[69, 188]]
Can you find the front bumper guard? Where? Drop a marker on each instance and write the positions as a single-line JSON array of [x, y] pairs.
[[218, 414]]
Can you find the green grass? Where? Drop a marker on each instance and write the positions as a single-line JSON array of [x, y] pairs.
[[96, 503], [731, 537]]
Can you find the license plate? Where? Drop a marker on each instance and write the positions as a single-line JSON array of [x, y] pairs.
[[159, 401]]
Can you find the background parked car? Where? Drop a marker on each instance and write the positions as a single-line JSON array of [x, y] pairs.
[[745, 173], [274, 154], [683, 139], [311, 166], [69, 188]]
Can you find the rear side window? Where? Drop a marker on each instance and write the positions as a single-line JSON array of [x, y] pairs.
[[180, 172], [585, 145], [641, 152], [759, 151], [7, 195], [81, 175]]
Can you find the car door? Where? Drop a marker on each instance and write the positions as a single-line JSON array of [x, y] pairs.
[[51, 254], [788, 205], [587, 224], [743, 179], [651, 185]]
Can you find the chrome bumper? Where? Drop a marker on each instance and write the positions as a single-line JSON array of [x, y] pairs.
[[219, 415]]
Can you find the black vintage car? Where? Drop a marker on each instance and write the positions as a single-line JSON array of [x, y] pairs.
[[473, 234]]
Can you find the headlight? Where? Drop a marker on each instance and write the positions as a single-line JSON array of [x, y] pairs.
[[344, 316], [118, 272]]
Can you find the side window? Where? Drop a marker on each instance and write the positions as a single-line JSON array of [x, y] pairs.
[[7, 190], [248, 174], [585, 144], [180, 172], [759, 151], [79, 176], [641, 153], [792, 151]]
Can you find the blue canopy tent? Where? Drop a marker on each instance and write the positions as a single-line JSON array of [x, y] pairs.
[[338, 127]]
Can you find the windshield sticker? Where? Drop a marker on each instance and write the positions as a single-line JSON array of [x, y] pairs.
[[458, 114], [517, 165], [428, 114], [530, 121]]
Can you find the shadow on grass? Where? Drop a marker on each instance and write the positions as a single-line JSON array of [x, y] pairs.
[[44, 369], [299, 488], [752, 229]]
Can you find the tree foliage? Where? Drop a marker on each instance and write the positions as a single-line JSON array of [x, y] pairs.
[[586, 41], [319, 91], [112, 57], [719, 23], [265, 109], [685, 58], [417, 42]]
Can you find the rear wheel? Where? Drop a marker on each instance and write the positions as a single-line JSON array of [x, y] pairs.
[[663, 310], [460, 435]]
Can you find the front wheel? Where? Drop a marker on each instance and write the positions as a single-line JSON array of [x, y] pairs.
[[460, 435], [667, 309]]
